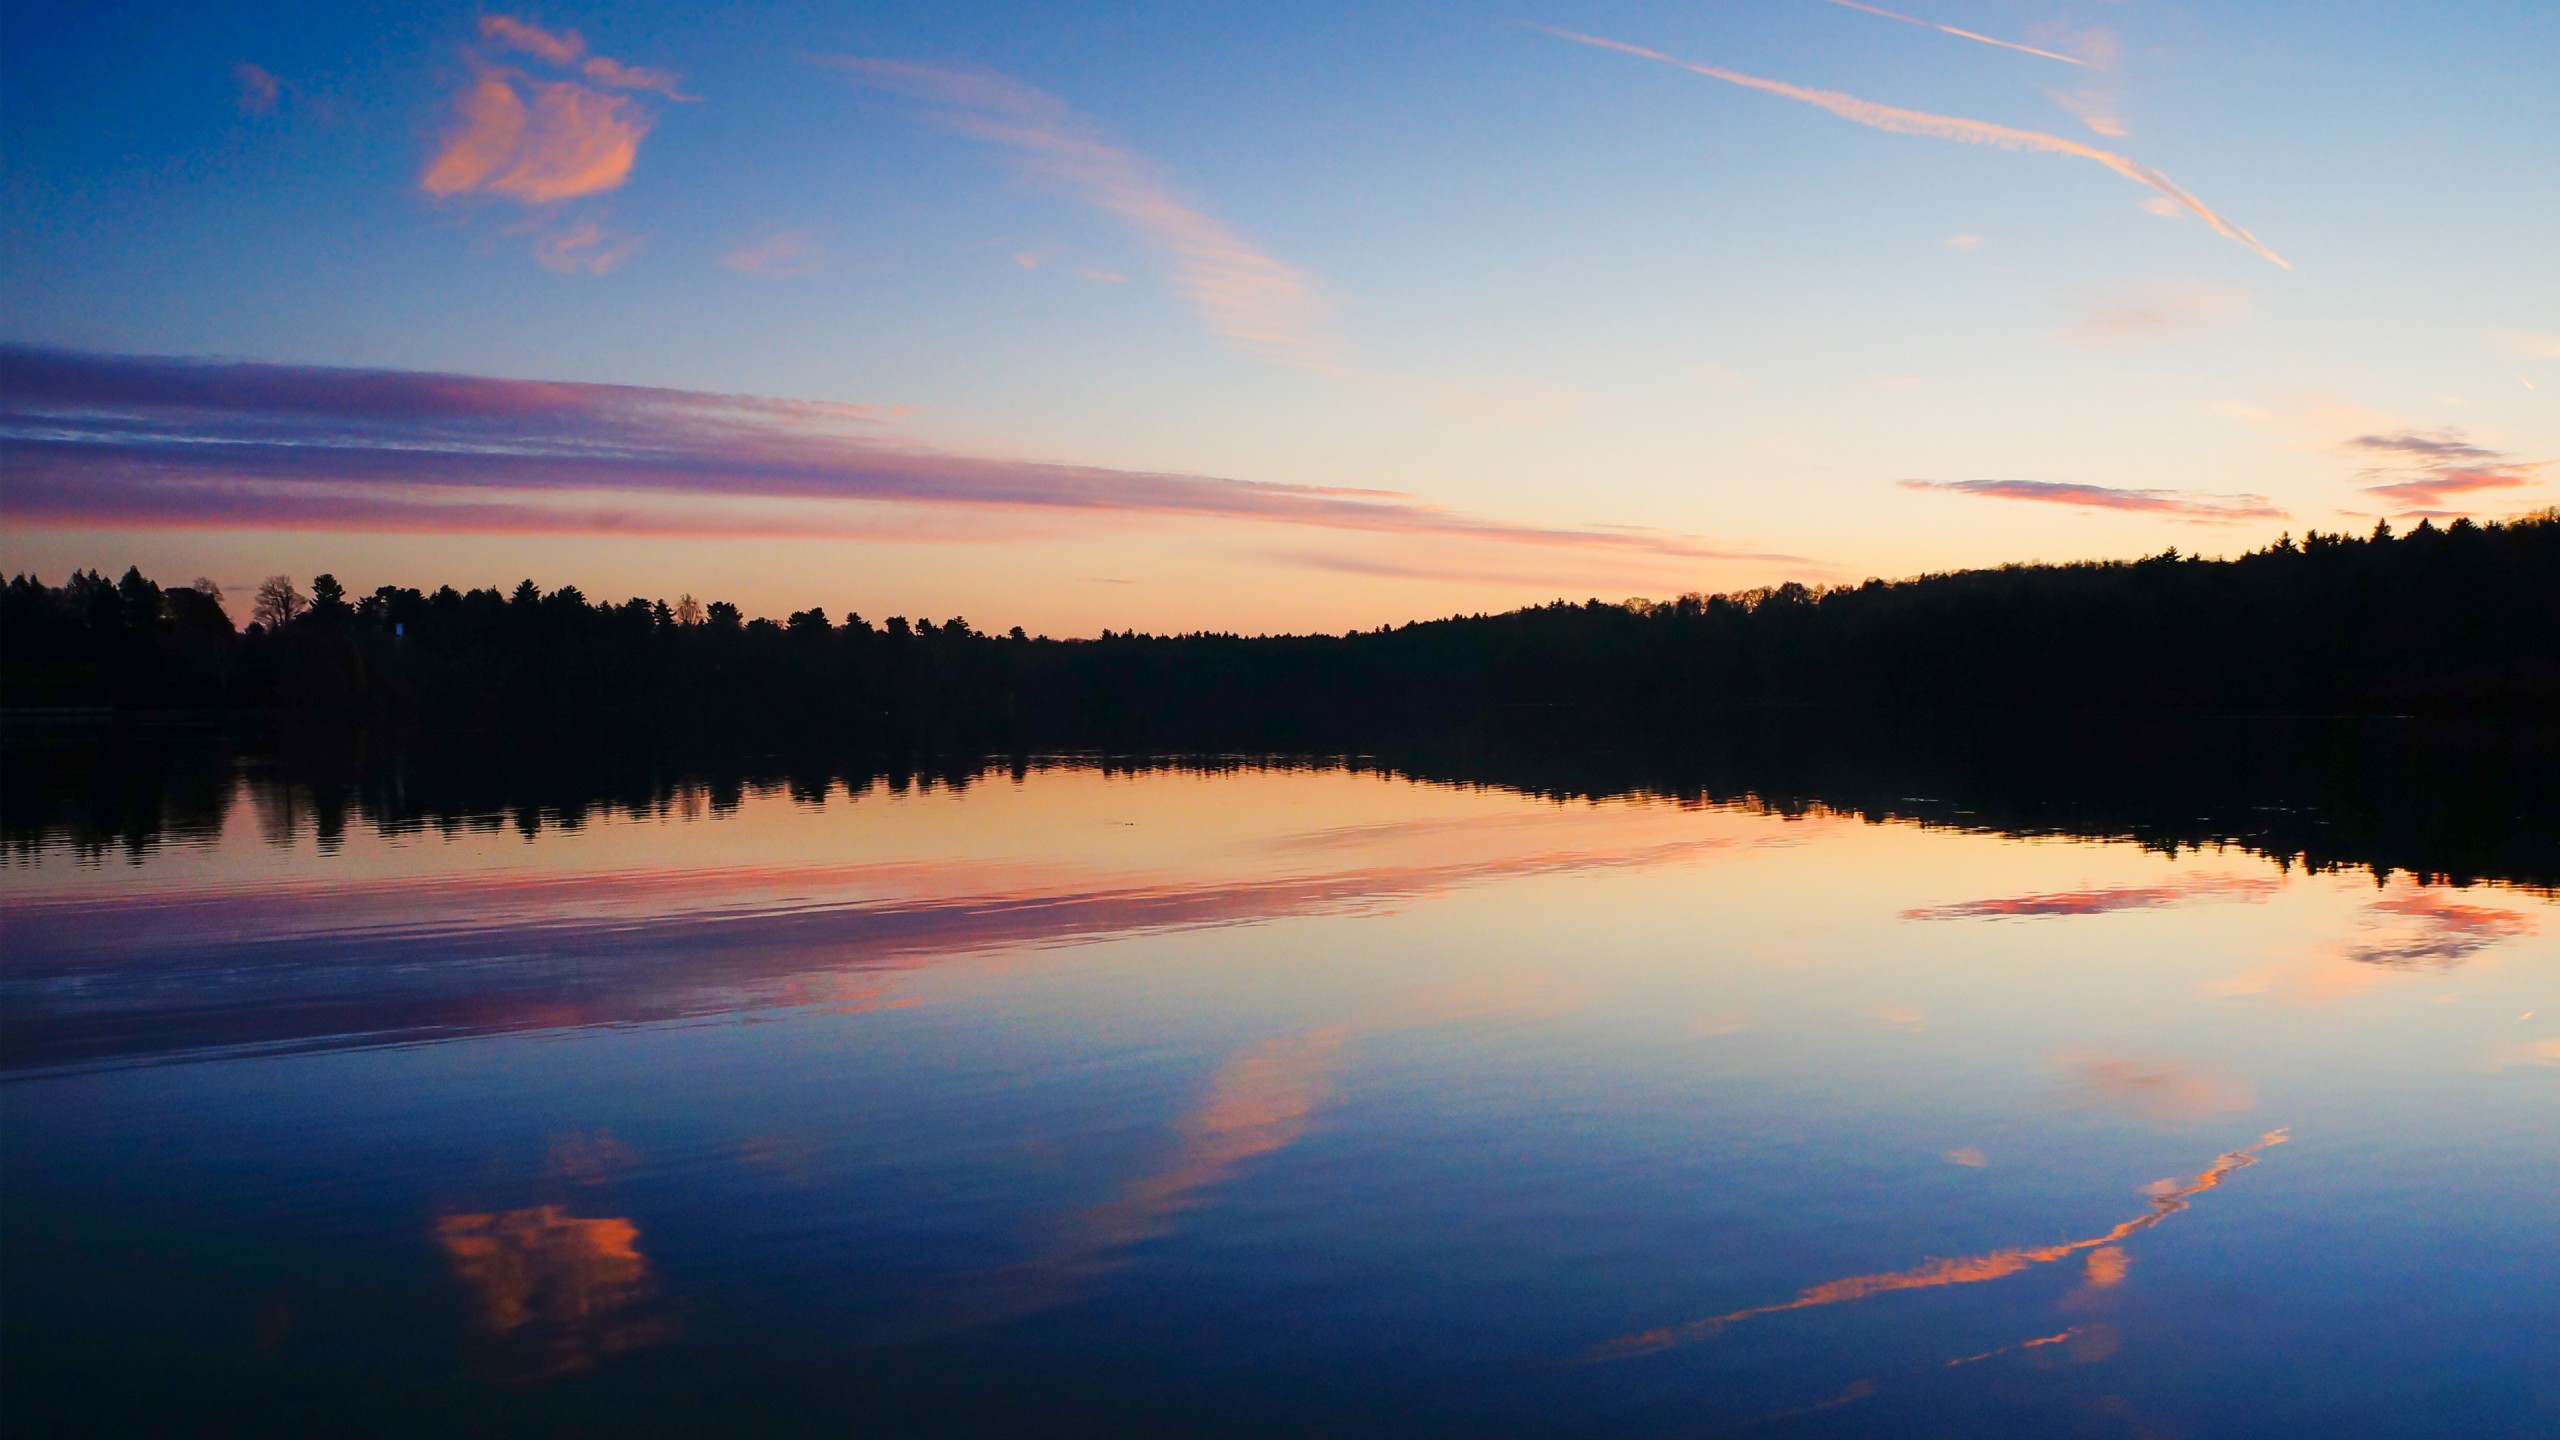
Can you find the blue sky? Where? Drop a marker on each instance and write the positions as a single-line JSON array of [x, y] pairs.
[[1560, 289]]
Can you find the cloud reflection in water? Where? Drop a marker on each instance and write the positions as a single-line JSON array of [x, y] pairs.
[[554, 1292], [1964, 1270]]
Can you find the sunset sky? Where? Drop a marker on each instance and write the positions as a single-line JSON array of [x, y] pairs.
[[1298, 316]]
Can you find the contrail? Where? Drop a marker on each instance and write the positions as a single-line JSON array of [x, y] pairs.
[[1945, 127], [1966, 34]]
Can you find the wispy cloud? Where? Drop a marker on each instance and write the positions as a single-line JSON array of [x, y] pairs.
[[2096, 104], [2179, 504], [783, 255], [566, 50], [1963, 34], [2423, 473], [583, 247], [2154, 310], [1899, 121], [2531, 344], [146, 441], [258, 88], [1267, 308], [542, 141], [1611, 570]]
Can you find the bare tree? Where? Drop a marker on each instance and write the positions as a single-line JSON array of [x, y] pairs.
[[688, 611], [278, 602]]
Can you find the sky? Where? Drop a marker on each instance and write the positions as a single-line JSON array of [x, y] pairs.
[[1288, 317]]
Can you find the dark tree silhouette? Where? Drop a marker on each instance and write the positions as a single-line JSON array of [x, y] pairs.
[[2463, 619]]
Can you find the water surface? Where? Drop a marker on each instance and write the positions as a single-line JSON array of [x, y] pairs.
[[1262, 1098]]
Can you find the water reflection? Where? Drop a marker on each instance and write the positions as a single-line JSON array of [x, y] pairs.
[[1260, 1100], [111, 975], [2152, 1089], [1304, 1100], [2105, 900], [2036, 1343], [2437, 931], [1966, 1270], [553, 1293]]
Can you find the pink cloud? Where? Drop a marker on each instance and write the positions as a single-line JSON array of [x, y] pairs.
[[535, 141], [539, 142], [141, 441], [2433, 468], [2179, 504]]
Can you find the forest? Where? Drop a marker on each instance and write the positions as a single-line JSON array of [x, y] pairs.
[[2460, 620]]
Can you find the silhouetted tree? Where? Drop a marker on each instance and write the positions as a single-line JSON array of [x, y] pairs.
[[279, 602]]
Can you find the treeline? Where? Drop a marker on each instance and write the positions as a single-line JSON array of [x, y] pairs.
[[2463, 619]]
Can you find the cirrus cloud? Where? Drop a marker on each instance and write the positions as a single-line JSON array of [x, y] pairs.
[[1267, 308], [2177, 504], [2424, 472], [2154, 310], [1896, 120], [142, 441]]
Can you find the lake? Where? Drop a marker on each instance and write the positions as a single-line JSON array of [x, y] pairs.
[[1264, 1096]]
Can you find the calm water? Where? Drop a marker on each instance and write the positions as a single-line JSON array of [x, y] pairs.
[[1271, 1101]]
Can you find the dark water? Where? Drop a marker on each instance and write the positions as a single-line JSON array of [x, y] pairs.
[[1271, 1098]]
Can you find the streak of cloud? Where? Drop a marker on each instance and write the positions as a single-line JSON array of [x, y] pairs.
[[583, 247], [562, 50], [1899, 121], [2423, 472], [783, 255], [2178, 504], [1966, 1270], [123, 441], [2105, 900], [567, 50], [1605, 569], [1265, 307], [1964, 34], [2157, 310]]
